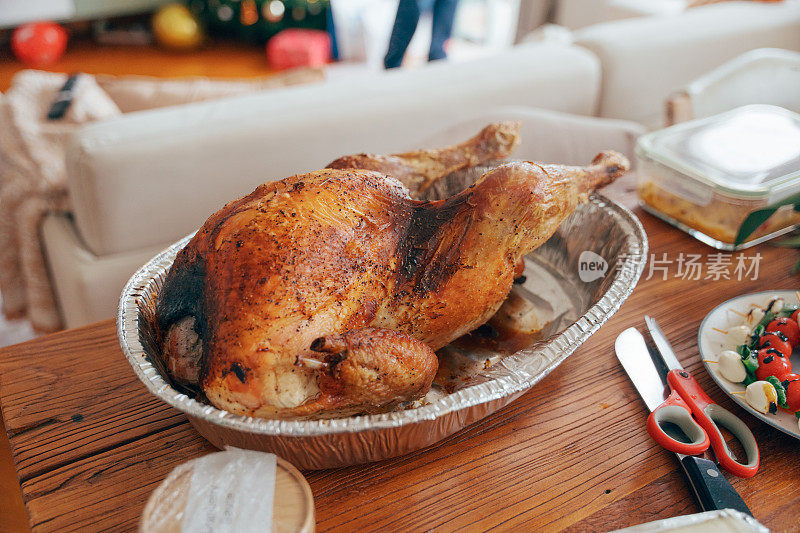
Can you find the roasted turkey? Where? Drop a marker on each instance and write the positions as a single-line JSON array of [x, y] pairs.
[[327, 293]]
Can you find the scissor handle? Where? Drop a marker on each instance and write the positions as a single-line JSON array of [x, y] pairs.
[[674, 410], [710, 415]]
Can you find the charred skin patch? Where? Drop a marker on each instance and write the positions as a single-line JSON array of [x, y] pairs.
[[182, 296], [239, 371], [429, 252], [318, 344]]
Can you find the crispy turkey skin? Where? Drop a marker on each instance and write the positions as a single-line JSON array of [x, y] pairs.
[[326, 294]]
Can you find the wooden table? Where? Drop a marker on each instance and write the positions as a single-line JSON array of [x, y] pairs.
[[90, 444]]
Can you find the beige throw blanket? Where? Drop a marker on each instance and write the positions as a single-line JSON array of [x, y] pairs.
[[32, 163]]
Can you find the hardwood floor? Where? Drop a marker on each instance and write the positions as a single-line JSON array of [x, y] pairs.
[[12, 517], [216, 60]]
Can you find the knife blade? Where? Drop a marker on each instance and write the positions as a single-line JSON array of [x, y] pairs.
[[632, 352], [663, 345], [709, 486]]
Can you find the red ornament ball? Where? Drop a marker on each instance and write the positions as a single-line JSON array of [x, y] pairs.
[[39, 44]]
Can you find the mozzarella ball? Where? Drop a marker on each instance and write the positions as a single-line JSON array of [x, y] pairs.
[[731, 366], [754, 317], [776, 305], [761, 396], [738, 335]]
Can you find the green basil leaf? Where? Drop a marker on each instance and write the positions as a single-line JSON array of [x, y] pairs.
[[778, 389], [756, 218], [765, 320], [751, 224], [750, 364], [758, 330], [743, 350]]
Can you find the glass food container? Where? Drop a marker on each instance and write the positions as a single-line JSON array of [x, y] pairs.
[[705, 176]]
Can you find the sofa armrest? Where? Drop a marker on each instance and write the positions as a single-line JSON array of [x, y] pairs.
[[764, 76], [87, 287]]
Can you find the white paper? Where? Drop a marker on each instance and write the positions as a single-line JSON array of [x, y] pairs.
[[231, 491], [14, 12]]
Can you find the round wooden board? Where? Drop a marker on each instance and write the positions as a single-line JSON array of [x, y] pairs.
[[292, 511]]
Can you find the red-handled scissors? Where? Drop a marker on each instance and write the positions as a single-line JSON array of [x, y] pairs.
[[691, 409]]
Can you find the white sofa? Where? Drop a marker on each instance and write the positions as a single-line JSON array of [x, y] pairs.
[[143, 180], [645, 59]]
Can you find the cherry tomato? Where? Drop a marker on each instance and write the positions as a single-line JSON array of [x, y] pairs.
[[796, 316], [791, 384], [788, 327], [771, 362], [777, 340]]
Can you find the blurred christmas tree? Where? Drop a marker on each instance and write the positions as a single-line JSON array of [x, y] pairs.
[[258, 20]]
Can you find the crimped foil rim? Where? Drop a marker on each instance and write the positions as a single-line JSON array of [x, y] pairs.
[[555, 350]]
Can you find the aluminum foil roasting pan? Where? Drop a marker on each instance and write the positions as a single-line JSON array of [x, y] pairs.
[[574, 283]]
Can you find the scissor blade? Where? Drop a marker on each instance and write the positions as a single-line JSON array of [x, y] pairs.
[[664, 348], [632, 352]]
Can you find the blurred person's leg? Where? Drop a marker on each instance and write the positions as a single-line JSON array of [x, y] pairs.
[[405, 24], [332, 33], [444, 11]]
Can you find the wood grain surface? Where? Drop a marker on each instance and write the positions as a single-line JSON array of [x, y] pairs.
[[571, 454], [13, 516], [216, 60]]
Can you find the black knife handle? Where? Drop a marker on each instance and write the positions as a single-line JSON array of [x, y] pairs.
[[710, 487]]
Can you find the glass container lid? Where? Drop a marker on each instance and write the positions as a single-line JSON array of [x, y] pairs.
[[751, 152]]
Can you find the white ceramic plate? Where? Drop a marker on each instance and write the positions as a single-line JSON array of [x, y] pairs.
[[711, 343]]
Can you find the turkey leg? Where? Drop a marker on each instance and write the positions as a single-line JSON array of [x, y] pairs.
[[420, 169], [368, 367]]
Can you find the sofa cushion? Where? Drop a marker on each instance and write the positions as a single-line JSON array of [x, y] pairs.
[[151, 177], [645, 59]]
